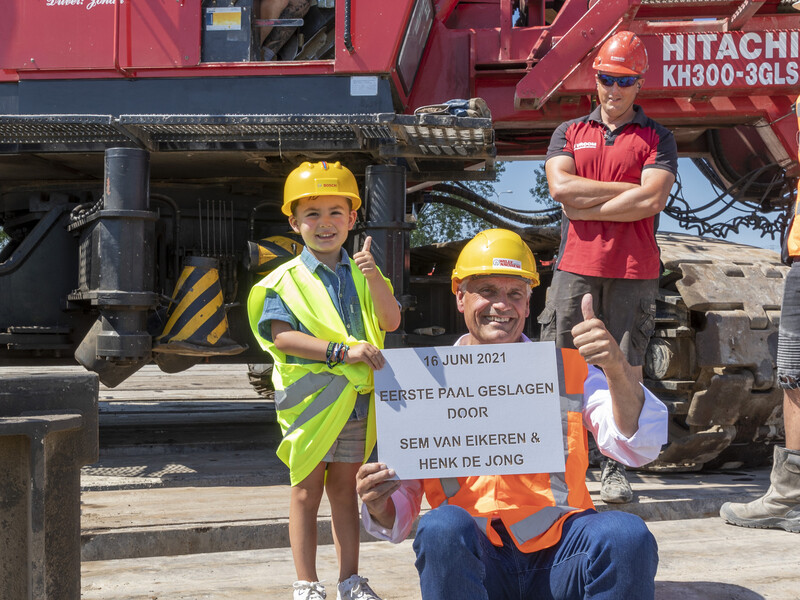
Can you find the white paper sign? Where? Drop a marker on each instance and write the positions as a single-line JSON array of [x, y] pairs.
[[454, 411]]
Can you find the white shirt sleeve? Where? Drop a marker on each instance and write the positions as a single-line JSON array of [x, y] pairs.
[[407, 502], [644, 445]]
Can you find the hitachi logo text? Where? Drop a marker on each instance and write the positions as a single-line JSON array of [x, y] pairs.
[[585, 145]]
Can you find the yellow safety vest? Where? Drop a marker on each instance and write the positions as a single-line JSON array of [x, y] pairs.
[[532, 507], [313, 401]]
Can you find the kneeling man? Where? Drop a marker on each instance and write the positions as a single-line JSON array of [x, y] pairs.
[[535, 535]]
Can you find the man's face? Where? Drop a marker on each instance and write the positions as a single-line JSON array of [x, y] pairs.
[[495, 308], [614, 99]]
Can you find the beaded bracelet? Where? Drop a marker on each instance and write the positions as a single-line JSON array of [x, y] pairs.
[[335, 354], [329, 353]]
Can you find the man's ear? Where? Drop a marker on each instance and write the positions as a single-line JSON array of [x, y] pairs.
[[352, 220], [293, 224], [460, 301]]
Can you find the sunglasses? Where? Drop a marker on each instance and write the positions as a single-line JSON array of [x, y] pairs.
[[623, 81]]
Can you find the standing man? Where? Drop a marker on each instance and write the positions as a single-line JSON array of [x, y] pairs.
[[533, 535], [612, 171], [779, 508]]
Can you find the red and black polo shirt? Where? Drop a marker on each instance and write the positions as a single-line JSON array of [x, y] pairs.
[[610, 248]]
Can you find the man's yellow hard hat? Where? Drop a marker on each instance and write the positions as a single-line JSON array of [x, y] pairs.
[[319, 179], [495, 252]]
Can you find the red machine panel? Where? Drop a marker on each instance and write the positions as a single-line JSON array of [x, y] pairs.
[[99, 34]]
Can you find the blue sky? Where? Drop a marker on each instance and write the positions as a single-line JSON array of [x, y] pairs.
[[518, 179]]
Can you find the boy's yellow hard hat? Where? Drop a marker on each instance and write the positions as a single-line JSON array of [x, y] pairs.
[[495, 252], [319, 179]]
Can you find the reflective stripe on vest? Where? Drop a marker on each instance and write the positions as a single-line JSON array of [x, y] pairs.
[[569, 403], [301, 389], [450, 486], [325, 399], [542, 518], [559, 488], [538, 523], [482, 522]]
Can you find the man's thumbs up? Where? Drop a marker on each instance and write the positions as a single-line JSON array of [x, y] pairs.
[[367, 244], [586, 307], [592, 339]]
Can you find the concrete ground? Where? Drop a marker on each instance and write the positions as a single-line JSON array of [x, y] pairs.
[[701, 559], [214, 525], [165, 517], [134, 506]]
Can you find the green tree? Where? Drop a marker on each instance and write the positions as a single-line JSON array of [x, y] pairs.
[[540, 192], [437, 223]]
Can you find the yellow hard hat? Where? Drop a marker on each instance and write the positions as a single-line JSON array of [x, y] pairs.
[[319, 179], [495, 252]]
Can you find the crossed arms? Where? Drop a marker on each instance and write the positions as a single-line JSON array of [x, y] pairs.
[[589, 200]]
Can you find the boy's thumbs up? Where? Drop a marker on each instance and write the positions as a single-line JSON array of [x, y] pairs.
[[364, 259], [586, 307]]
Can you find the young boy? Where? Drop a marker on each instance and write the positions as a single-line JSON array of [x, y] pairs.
[[322, 317]]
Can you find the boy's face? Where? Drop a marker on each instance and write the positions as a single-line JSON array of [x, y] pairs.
[[323, 221]]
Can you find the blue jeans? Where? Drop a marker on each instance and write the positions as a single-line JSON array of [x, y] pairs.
[[609, 556]]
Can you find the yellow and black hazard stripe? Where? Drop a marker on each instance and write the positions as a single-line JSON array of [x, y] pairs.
[[268, 254], [196, 319]]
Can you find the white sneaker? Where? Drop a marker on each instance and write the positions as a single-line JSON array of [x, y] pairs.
[[308, 590], [355, 588]]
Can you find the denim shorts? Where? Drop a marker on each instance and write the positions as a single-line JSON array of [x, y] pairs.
[[349, 446], [789, 332], [626, 306]]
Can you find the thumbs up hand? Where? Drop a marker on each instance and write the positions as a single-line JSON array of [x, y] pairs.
[[586, 307], [593, 340], [365, 261]]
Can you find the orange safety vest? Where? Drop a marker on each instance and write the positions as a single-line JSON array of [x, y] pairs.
[[532, 507], [791, 248], [793, 237]]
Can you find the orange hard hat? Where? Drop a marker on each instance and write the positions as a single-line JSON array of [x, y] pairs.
[[623, 53]]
